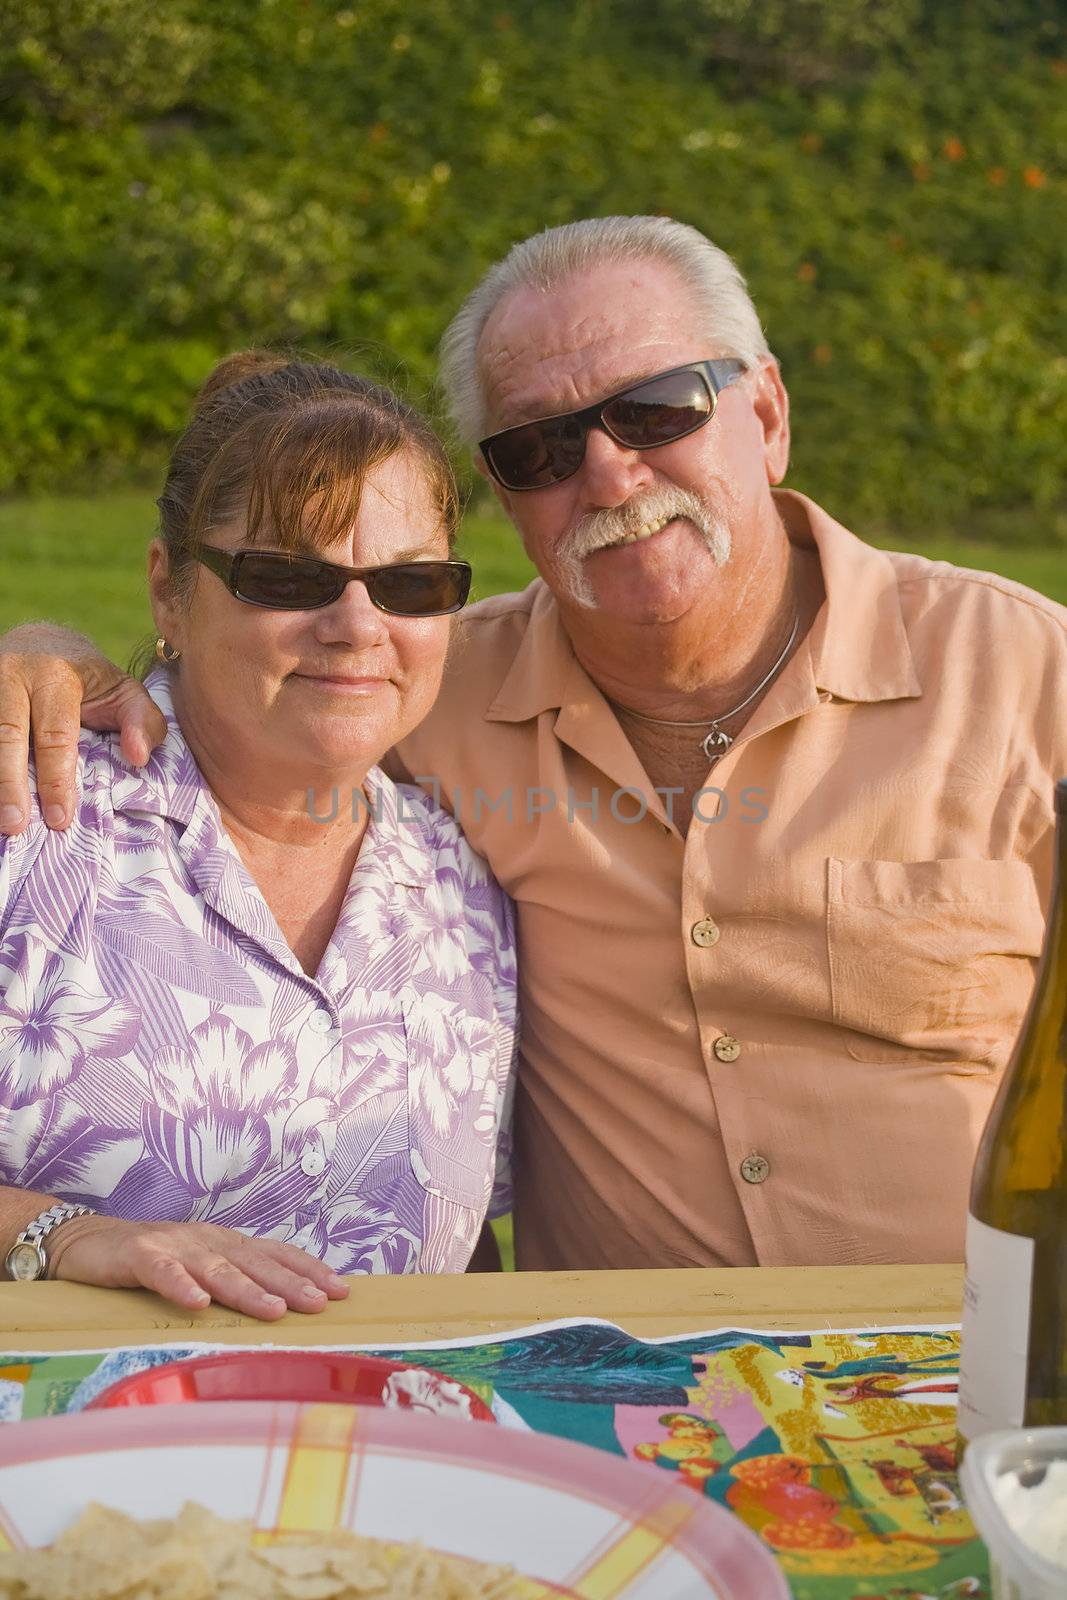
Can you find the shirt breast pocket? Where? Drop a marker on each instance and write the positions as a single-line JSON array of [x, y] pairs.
[[931, 958], [454, 1092]]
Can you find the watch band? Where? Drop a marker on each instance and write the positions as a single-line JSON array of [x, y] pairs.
[[38, 1230]]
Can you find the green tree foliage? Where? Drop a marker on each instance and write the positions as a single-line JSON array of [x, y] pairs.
[[335, 174], [94, 64], [757, 44]]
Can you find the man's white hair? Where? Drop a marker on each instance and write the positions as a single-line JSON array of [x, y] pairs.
[[545, 260]]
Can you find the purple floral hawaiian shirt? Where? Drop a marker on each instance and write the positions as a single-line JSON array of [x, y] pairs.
[[164, 1055]]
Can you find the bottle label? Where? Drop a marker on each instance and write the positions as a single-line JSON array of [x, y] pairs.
[[995, 1341]]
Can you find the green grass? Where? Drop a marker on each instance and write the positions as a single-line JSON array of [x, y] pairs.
[[80, 561], [502, 1228], [1043, 570]]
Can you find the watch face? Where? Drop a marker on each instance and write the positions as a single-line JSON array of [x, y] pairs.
[[25, 1261]]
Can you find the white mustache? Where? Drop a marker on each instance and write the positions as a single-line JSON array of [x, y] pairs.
[[607, 527]]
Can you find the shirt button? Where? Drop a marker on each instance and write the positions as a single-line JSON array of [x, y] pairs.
[[726, 1047], [312, 1162], [320, 1022], [755, 1169], [704, 932]]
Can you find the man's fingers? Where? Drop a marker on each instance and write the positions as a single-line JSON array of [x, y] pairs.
[[41, 697], [14, 748], [54, 710], [129, 708]]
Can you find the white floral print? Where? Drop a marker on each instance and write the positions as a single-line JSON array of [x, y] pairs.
[[164, 1056]]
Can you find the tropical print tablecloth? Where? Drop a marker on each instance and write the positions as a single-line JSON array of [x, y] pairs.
[[836, 1448]]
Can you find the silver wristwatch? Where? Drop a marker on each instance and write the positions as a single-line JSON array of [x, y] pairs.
[[26, 1259]]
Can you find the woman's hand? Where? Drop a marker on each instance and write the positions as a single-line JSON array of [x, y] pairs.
[[193, 1263], [51, 681]]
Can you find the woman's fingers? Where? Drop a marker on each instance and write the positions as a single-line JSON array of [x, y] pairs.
[[261, 1277], [308, 1267], [166, 1276], [295, 1289], [234, 1286], [191, 1264], [196, 1277]]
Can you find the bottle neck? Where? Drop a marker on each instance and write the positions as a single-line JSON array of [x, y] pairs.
[[1053, 970], [1044, 1036]]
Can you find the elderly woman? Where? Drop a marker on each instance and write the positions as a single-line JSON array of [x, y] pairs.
[[257, 1007]]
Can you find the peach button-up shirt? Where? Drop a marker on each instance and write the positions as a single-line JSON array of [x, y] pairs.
[[773, 1039]]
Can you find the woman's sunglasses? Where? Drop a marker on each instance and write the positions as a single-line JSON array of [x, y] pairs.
[[655, 411], [300, 583]]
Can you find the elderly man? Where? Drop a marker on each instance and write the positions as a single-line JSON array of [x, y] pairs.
[[775, 806]]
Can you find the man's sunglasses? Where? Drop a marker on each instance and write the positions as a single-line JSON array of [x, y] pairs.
[[655, 411], [300, 583]]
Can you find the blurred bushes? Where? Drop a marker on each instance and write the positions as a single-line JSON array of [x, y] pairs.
[[182, 180]]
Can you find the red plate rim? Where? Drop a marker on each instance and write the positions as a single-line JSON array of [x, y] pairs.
[[121, 1394]]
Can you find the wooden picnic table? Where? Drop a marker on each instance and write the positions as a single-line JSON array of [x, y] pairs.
[[403, 1310]]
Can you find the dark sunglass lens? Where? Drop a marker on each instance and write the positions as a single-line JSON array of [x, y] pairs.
[[273, 580], [522, 457], [420, 589], [540, 454], [659, 411]]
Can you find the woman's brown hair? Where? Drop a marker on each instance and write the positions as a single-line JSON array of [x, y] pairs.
[[288, 444]]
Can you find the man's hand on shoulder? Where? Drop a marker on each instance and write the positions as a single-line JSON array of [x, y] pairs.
[[50, 682]]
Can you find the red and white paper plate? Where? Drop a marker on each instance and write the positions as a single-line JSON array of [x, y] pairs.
[[576, 1522]]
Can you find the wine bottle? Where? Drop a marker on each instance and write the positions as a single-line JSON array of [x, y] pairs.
[[1013, 1353]]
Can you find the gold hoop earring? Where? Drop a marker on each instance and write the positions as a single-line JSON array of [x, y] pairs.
[[166, 652]]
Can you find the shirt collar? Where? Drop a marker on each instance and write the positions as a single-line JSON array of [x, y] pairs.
[[543, 673], [399, 834], [170, 782], [858, 642]]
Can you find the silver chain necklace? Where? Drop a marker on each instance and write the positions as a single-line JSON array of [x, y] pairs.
[[717, 741]]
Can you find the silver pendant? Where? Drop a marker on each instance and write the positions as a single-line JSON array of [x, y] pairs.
[[716, 743]]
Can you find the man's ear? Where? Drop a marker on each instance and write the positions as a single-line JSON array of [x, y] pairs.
[[770, 401]]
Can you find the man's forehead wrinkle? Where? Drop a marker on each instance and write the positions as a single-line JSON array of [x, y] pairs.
[[554, 402], [519, 389], [543, 352]]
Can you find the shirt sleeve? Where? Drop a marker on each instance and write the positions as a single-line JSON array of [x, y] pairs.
[[41, 868], [491, 916], [20, 856], [473, 901], [500, 1201], [17, 857]]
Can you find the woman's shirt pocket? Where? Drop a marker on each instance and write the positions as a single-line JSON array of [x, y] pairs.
[[933, 958]]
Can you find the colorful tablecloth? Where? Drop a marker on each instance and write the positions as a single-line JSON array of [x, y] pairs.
[[836, 1448]]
